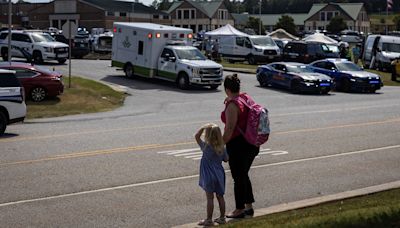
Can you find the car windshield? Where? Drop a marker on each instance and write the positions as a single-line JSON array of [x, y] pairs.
[[391, 47], [347, 66], [299, 69], [262, 41], [190, 54], [333, 48], [37, 37]]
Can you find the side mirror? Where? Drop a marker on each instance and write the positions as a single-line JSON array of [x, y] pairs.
[[249, 46], [172, 59]]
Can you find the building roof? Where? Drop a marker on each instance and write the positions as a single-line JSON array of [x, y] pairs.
[[122, 6], [352, 9], [207, 7]]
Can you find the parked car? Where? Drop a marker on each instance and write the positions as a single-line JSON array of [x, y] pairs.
[[33, 45], [102, 43], [306, 52], [12, 100], [347, 75], [350, 36], [297, 77], [80, 45], [38, 82]]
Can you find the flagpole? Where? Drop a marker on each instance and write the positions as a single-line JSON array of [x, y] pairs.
[[387, 17]]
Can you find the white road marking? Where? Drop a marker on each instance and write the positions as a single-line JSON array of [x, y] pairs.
[[170, 152], [192, 153], [189, 177]]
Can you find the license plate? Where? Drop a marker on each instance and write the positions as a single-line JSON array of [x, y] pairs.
[[325, 84], [373, 82]]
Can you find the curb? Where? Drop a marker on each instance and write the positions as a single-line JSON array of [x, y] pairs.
[[314, 201], [240, 70]]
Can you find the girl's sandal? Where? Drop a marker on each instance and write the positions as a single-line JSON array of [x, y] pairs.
[[220, 220], [206, 222]]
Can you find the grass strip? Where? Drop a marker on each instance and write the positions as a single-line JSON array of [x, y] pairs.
[[84, 96], [375, 210]]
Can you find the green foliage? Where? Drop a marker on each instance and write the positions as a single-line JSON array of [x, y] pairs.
[[254, 23], [336, 25], [161, 4], [396, 21], [287, 23]]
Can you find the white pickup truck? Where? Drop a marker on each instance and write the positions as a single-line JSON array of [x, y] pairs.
[[163, 52], [33, 45]]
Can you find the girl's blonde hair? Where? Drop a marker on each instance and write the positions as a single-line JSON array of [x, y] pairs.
[[213, 138]]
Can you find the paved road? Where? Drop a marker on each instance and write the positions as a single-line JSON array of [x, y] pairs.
[[137, 166]]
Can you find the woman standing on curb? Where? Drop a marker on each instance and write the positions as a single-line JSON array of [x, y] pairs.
[[241, 153]]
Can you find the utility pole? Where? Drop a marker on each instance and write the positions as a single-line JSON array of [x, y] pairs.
[[259, 23], [9, 30]]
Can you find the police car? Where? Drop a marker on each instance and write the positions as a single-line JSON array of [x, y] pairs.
[[347, 75]]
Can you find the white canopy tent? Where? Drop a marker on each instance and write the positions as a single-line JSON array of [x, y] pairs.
[[282, 35], [319, 37], [227, 30]]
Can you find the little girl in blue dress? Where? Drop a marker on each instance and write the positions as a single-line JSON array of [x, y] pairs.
[[212, 174]]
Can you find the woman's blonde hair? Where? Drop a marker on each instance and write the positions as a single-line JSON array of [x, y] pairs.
[[213, 138]]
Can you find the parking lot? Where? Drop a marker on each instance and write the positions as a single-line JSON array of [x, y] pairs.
[[137, 166]]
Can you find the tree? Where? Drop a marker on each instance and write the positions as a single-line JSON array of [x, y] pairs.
[[287, 23], [396, 21], [161, 4], [254, 24], [336, 25]]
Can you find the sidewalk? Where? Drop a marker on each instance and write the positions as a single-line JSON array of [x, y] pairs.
[[314, 201]]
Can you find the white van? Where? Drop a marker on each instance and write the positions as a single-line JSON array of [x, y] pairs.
[[248, 48], [380, 51], [164, 52]]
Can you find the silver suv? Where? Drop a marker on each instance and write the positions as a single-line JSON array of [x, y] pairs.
[[12, 100], [33, 45]]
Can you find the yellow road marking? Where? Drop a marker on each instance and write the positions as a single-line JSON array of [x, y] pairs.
[[338, 126], [94, 153], [17, 139], [156, 146]]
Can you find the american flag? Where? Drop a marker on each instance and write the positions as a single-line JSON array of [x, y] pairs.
[[389, 4]]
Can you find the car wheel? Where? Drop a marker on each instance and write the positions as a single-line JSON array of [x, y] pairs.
[[183, 81], [129, 70], [61, 61], [295, 87], [346, 85], [372, 90], [4, 54], [263, 80], [3, 123], [37, 57], [251, 60], [324, 91], [38, 94]]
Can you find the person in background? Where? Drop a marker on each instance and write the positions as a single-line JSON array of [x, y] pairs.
[[395, 68], [208, 47], [356, 53], [212, 174]]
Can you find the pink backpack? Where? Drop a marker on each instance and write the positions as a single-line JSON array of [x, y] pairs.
[[257, 126]]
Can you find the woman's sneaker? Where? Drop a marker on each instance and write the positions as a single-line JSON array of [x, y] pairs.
[[220, 220], [249, 212]]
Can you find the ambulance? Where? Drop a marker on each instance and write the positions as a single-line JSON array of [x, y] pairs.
[[163, 52]]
